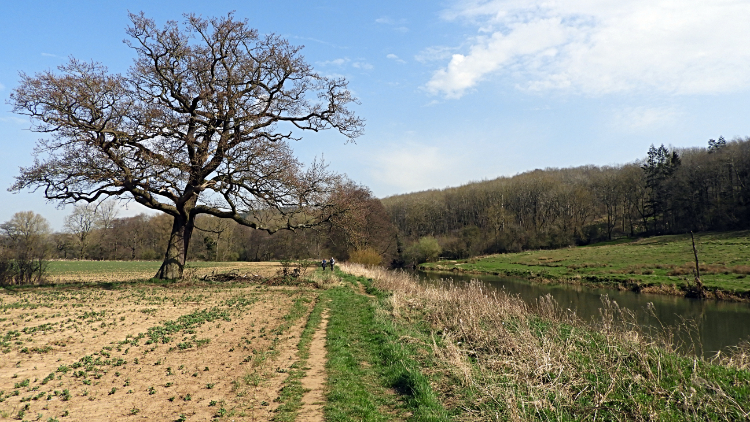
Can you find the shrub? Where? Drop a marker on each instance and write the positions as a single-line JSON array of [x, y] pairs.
[[425, 250], [23, 249], [367, 256], [21, 269]]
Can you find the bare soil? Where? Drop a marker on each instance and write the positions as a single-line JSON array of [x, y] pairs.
[[88, 354], [315, 379]]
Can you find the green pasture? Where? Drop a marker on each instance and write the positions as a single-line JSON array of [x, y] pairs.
[[724, 262], [60, 268]]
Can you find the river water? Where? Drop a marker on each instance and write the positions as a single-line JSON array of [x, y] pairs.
[[711, 325]]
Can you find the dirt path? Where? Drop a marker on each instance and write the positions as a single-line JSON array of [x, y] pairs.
[[314, 400], [363, 291]]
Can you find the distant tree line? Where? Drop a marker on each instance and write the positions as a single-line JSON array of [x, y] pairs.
[[671, 190], [95, 232]]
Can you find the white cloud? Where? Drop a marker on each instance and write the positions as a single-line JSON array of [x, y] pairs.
[[642, 118], [395, 58], [2, 87], [50, 55], [600, 47]]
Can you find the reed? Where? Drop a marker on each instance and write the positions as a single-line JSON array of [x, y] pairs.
[[504, 359]]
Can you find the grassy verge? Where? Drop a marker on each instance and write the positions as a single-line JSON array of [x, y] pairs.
[[504, 360], [373, 373], [663, 263]]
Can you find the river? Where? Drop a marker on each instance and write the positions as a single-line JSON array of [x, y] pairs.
[[714, 325]]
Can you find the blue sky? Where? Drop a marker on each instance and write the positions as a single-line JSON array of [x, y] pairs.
[[452, 91]]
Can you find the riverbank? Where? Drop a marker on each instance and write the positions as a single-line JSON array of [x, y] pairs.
[[492, 356], [662, 264], [355, 344]]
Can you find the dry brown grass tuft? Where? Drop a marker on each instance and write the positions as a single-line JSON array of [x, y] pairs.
[[739, 357], [324, 280], [689, 268]]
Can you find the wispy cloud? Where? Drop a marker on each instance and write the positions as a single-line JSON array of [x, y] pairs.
[[51, 55], [335, 62], [398, 168], [362, 65], [2, 87], [334, 75], [596, 48], [395, 58], [435, 53], [345, 61], [398, 25], [330, 44], [634, 119], [13, 119]]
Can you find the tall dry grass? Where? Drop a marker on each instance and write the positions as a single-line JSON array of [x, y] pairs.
[[517, 361], [324, 280]]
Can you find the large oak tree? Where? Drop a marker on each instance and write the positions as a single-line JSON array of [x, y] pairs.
[[200, 124]]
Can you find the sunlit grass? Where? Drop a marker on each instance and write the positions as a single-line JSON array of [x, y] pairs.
[[663, 260]]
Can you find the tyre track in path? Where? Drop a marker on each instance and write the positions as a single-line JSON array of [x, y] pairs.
[[315, 380]]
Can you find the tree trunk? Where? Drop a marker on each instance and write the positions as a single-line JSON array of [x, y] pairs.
[[179, 240], [698, 282]]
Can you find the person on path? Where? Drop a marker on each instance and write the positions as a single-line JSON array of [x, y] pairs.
[[324, 264], [332, 262]]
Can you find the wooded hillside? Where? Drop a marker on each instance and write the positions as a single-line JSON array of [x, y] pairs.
[[671, 190]]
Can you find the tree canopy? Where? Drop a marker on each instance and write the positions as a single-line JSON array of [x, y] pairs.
[[200, 124], [668, 191]]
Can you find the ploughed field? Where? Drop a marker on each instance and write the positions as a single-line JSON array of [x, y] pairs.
[[659, 262], [97, 351]]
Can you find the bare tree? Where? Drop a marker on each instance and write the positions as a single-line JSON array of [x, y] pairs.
[[27, 228], [81, 224], [364, 225], [223, 230], [192, 128], [106, 214]]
